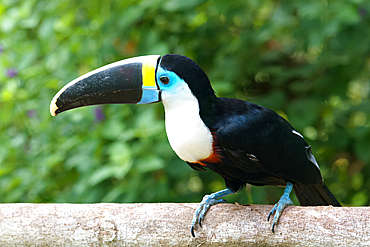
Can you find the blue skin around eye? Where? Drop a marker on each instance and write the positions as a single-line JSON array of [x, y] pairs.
[[174, 79]]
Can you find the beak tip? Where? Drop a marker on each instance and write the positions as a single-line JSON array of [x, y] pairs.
[[53, 108]]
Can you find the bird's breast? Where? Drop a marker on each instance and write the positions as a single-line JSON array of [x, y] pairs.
[[189, 137]]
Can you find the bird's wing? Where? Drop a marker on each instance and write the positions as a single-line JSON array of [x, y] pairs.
[[262, 141]]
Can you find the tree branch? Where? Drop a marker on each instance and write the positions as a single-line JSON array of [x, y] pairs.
[[168, 224]]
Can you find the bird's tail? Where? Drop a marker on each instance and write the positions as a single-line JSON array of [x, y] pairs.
[[315, 195]]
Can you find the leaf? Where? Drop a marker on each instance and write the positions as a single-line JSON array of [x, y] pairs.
[[108, 171], [149, 164], [303, 112], [179, 5]]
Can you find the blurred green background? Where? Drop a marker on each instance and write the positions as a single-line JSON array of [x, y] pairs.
[[307, 60]]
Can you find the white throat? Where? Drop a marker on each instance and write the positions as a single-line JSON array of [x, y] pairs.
[[189, 137]]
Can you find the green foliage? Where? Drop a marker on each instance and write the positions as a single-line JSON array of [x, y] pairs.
[[309, 61]]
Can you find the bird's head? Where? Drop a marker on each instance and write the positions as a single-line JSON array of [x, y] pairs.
[[173, 79]]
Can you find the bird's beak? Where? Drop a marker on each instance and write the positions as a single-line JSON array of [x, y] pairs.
[[130, 81]]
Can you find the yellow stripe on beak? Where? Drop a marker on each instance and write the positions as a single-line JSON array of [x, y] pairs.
[[148, 71]]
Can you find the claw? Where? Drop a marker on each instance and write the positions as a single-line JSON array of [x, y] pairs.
[[278, 208], [207, 202], [268, 217], [273, 228], [192, 231]]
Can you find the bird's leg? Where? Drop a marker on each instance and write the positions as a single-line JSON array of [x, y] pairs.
[[284, 202], [205, 204]]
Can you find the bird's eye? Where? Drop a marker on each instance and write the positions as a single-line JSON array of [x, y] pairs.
[[165, 80]]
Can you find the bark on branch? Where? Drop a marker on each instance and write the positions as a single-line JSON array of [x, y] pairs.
[[168, 224]]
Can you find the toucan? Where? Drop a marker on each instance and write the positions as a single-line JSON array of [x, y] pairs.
[[241, 141]]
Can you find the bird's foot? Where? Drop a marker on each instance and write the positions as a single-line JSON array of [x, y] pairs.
[[284, 202], [206, 203]]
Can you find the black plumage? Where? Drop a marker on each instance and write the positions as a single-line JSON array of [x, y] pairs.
[[253, 144]]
